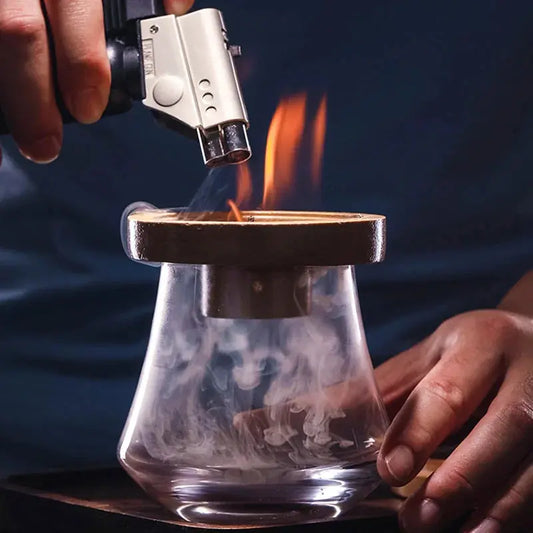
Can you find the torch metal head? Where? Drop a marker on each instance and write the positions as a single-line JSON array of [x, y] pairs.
[[225, 145], [190, 77]]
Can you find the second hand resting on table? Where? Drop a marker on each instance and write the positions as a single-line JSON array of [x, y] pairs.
[[478, 364]]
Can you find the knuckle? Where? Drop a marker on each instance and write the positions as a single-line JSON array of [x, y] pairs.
[[92, 68], [449, 394], [500, 325], [461, 358], [513, 501], [503, 325], [420, 439], [512, 504], [21, 28], [452, 482], [496, 325], [448, 325], [519, 414]]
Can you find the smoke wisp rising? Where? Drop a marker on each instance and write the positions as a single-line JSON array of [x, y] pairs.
[[258, 394]]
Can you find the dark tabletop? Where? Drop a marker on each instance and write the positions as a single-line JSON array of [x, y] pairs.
[[106, 500]]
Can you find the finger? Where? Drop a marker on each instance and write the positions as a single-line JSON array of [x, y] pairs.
[[398, 376], [511, 510], [178, 7], [440, 403], [83, 70], [520, 298], [486, 460], [27, 96]]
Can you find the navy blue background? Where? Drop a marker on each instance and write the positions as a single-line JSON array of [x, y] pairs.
[[430, 123]]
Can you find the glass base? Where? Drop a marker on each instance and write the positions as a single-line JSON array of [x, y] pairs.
[[222, 497]]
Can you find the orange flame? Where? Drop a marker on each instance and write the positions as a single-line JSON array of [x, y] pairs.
[[286, 135], [244, 185], [283, 143], [234, 212], [319, 139]]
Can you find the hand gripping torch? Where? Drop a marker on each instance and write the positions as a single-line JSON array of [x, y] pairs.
[[182, 68]]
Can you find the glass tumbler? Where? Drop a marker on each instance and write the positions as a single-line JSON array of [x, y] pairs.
[[257, 403]]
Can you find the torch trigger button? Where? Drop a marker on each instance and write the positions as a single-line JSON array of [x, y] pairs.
[[168, 90]]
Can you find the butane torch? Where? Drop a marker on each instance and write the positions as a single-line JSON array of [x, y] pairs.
[[180, 67]]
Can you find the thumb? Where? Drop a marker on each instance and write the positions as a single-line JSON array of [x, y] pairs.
[[178, 7], [398, 376]]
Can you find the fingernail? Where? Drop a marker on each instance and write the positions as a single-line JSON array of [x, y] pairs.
[[400, 463], [44, 150], [88, 105], [423, 518], [489, 525]]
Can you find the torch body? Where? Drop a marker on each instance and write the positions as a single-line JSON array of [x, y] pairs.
[[182, 69]]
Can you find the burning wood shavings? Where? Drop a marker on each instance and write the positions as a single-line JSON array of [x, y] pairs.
[[235, 212]]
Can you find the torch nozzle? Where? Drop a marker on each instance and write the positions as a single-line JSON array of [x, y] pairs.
[[225, 145]]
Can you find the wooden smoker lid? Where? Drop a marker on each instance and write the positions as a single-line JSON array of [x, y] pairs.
[[265, 239]]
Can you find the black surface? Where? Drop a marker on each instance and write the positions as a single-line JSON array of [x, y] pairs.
[[117, 13], [108, 501]]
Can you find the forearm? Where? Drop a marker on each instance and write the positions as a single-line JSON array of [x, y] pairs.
[[520, 298]]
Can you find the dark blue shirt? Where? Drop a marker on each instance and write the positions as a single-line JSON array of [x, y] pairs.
[[430, 123]]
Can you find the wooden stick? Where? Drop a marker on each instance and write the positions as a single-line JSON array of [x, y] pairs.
[[235, 211]]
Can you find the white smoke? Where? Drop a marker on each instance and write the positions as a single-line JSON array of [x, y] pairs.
[[254, 395]]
